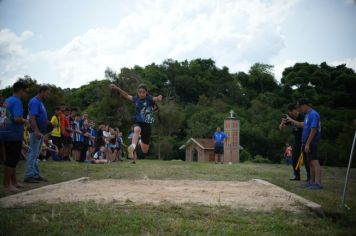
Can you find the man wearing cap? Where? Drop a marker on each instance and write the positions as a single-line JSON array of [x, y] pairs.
[[310, 139], [293, 112]]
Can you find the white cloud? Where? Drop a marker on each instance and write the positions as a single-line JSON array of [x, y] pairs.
[[13, 55], [234, 33], [279, 68], [349, 62]]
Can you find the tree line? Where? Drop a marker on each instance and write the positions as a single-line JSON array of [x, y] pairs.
[[198, 96]]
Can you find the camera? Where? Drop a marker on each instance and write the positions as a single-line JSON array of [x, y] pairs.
[[284, 119]]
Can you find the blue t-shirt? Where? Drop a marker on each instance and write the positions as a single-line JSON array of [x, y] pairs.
[[93, 134], [311, 120], [219, 137], [9, 130], [144, 109], [37, 109]]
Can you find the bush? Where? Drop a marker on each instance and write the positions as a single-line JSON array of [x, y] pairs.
[[260, 159], [245, 156]]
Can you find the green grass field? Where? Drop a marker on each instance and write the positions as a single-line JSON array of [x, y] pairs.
[[190, 219]]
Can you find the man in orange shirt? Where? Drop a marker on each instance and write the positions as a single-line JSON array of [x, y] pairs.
[[62, 126]]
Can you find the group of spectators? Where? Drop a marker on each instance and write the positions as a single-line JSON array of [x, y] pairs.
[[74, 135], [67, 136]]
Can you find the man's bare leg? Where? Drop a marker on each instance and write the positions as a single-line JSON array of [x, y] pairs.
[[14, 179], [317, 172], [8, 172], [132, 147], [144, 147], [312, 172]]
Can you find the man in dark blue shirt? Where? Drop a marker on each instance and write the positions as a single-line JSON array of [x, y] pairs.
[[38, 128], [143, 117], [310, 139], [11, 133], [219, 138], [293, 112]]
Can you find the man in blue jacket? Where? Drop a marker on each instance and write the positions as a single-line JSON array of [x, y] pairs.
[[38, 128]]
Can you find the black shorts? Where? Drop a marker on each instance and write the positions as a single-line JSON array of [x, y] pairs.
[[67, 140], [57, 141], [313, 152], [77, 145], [145, 132], [219, 149], [12, 153]]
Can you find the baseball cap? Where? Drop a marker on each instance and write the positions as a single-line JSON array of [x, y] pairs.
[[303, 101]]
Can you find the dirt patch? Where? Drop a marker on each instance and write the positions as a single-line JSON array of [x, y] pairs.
[[250, 195]]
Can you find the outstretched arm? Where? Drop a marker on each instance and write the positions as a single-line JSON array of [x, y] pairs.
[[296, 123], [158, 98], [124, 94]]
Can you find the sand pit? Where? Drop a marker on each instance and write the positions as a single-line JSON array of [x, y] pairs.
[[251, 195]]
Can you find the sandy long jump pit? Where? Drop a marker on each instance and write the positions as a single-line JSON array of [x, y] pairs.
[[251, 195]]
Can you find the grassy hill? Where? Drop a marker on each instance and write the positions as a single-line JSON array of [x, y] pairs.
[[113, 219]]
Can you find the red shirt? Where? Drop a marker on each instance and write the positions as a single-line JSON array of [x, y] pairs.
[[66, 125], [62, 122]]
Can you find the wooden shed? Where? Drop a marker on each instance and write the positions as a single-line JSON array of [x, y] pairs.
[[199, 149]]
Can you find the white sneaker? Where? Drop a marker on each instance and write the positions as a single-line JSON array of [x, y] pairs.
[[130, 151]]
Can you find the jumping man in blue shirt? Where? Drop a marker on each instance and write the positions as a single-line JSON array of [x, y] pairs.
[[143, 117]]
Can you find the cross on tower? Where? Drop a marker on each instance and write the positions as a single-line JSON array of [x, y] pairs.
[[231, 114]]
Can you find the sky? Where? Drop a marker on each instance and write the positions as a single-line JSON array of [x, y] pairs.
[[69, 43]]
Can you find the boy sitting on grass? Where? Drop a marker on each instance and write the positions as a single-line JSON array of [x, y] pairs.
[[99, 157]]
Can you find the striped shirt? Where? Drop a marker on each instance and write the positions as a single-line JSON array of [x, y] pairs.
[[76, 136]]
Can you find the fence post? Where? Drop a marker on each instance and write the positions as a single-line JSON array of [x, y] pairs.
[[343, 204]]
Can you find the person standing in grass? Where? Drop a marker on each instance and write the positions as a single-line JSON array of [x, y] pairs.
[[295, 114], [77, 144], [219, 138], [38, 128], [67, 140], [92, 139], [310, 139], [85, 138], [57, 130], [100, 137], [11, 133], [143, 118]]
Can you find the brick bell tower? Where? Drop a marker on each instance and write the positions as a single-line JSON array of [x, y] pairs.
[[231, 146]]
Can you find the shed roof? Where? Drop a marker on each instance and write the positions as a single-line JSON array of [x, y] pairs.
[[204, 143]]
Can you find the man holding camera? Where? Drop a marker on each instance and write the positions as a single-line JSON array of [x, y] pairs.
[[295, 115], [310, 139]]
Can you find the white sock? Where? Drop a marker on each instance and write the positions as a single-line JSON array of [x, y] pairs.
[[134, 145]]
